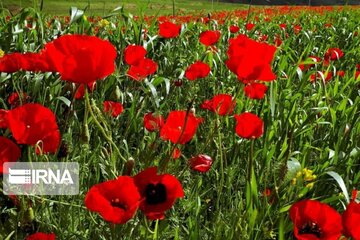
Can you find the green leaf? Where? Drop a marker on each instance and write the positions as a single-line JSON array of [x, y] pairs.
[[341, 183], [75, 14]]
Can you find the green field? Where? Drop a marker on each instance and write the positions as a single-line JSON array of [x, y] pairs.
[[104, 6]]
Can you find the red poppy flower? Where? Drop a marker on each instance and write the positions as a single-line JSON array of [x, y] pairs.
[[201, 163], [255, 90], [282, 26], [9, 152], [16, 99], [41, 236], [35, 62], [315, 220], [357, 74], [169, 30], [80, 92], [133, 54], [3, 118], [33, 123], [340, 73], [180, 127], [197, 70], [234, 29], [358, 66], [80, 58], [222, 104], [333, 54], [327, 76], [310, 62], [278, 41], [144, 68], [115, 200], [297, 29], [11, 62], [351, 220], [250, 60], [153, 122], [113, 108], [158, 192], [176, 153], [249, 125], [249, 26], [209, 38], [266, 192]]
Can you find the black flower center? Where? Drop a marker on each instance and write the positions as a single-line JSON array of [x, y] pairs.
[[311, 228], [155, 193], [117, 203]]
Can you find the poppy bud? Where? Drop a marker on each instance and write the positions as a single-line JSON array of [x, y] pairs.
[[85, 134], [347, 129], [201, 163], [116, 94], [29, 215], [129, 166]]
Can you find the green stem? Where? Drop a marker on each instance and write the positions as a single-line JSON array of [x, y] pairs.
[[221, 162], [108, 138]]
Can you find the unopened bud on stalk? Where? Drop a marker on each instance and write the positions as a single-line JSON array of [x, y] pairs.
[[85, 134], [116, 94], [129, 166], [347, 129]]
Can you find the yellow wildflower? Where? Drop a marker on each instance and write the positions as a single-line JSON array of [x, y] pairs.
[[103, 23], [308, 175], [2, 53], [310, 185]]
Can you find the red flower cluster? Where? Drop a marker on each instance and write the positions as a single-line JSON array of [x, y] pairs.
[[315, 220], [209, 38], [113, 108], [14, 62], [255, 90], [153, 122], [250, 60], [169, 30], [201, 163], [309, 63], [80, 92], [180, 127], [78, 59], [16, 99], [249, 26], [117, 200], [249, 125], [158, 192], [33, 124], [41, 236], [3, 118], [222, 104], [234, 29], [9, 152], [140, 66], [351, 219], [197, 70], [333, 54], [133, 54]]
